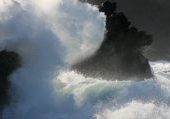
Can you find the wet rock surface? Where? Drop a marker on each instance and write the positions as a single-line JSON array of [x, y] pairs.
[[9, 62], [120, 56]]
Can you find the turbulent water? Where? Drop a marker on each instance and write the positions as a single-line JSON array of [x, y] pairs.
[[51, 35]]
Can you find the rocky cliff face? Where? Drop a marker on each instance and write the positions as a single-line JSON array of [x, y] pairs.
[[9, 62], [120, 55]]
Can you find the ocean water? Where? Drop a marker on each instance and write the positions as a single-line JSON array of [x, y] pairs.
[[50, 36]]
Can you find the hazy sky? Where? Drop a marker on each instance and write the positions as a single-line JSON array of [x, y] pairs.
[[152, 16]]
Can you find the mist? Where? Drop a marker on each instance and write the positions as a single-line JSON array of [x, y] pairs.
[[47, 37]]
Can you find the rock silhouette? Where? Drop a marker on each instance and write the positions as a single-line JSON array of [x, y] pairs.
[[120, 55], [9, 62]]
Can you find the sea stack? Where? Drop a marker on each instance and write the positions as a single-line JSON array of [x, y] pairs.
[[120, 56]]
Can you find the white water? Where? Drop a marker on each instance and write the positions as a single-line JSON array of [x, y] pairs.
[[51, 35]]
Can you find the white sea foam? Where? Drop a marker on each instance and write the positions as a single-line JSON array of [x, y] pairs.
[[50, 35]]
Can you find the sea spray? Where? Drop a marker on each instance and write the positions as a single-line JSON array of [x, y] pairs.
[[47, 38], [47, 35]]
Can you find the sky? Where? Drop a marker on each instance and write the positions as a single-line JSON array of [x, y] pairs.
[[153, 16]]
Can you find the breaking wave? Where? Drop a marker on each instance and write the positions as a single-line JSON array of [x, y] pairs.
[[49, 36]]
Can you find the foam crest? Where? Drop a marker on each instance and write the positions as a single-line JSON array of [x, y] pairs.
[[137, 110], [47, 36]]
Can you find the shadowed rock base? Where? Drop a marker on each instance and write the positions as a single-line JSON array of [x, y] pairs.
[[9, 62]]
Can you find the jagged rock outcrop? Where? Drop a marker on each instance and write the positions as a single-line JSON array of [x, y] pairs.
[[9, 62], [120, 55]]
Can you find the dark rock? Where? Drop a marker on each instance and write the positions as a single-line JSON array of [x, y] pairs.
[[120, 55], [9, 62]]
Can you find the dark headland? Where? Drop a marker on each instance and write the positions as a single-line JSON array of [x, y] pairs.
[[120, 56]]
